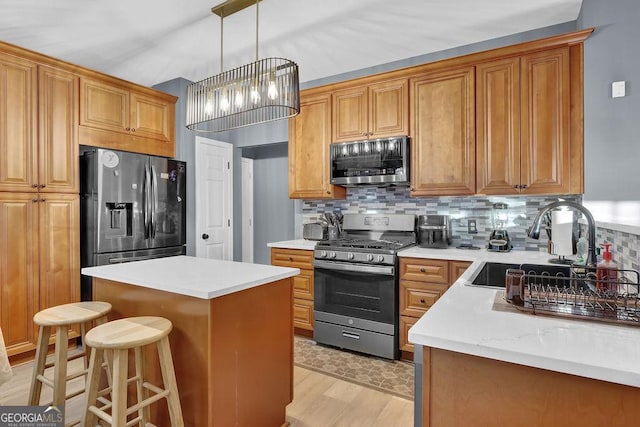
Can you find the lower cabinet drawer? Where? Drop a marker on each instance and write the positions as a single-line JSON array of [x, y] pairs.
[[405, 324], [417, 297], [303, 285], [303, 314]]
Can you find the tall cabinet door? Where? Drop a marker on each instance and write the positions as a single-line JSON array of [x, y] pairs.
[[103, 106], [545, 164], [59, 249], [58, 136], [309, 139], [443, 131], [19, 292], [498, 127], [18, 131], [389, 109]]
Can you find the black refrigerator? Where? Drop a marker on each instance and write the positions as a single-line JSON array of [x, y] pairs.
[[132, 207]]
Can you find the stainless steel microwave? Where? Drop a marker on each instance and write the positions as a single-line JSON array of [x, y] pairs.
[[379, 162]]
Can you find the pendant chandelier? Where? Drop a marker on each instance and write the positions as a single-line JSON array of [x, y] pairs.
[[262, 91]]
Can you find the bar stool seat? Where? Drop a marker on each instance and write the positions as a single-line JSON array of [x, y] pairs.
[[118, 337], [62, 317]]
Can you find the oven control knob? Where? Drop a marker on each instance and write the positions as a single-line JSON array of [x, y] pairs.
[[380, 258], [323, 254], [350, 255], [369, 257], [332, 254]]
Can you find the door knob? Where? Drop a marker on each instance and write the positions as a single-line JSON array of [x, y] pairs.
[[205, 236]]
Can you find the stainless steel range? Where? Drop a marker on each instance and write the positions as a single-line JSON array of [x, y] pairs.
[[356, 283]]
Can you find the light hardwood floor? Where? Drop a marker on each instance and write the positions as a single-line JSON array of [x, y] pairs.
[[319, 400]]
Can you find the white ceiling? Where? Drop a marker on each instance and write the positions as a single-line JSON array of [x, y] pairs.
[[151, 41]]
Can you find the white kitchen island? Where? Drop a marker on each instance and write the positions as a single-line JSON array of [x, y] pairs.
[[486, 363], [232, 340]]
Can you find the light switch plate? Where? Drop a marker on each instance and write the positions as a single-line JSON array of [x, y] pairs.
[[618, 89]]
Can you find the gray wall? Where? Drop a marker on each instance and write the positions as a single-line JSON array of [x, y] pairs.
[[273, 211], [611, 125]]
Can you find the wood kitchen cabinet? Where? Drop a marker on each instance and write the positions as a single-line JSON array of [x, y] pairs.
[[442, 116], [373, 111], [40, 261], [309, 139], [40, 136], [121, 117], [523, 125], [302, 285], [422, 283]]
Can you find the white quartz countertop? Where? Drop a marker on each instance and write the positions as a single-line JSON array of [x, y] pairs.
[[294, 244], [474, 320], [196, 277]]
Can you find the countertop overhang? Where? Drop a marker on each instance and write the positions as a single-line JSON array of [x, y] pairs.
[[474, 320], [197, 277]]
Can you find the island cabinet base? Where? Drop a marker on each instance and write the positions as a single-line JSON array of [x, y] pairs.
[[233, 355], [464, 390]]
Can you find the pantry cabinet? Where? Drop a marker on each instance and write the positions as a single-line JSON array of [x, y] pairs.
[[373, 111], [302, 285], [39, 260], [119, 116], [523, 125], [442, 106], [309, 139]]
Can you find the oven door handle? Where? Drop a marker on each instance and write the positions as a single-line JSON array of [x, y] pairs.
[[357, 268]]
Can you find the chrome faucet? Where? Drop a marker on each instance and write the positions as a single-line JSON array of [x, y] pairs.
[[534, 230]]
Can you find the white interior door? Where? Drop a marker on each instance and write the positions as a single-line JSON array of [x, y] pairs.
[[214, 199], [247, 210]]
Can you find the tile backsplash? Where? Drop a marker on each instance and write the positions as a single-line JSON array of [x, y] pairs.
[[520, 211]]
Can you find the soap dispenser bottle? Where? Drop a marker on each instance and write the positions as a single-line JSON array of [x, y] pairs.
[[607, 272]]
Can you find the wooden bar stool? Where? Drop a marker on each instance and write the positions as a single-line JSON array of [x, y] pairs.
[[118, 337], [62, 317]]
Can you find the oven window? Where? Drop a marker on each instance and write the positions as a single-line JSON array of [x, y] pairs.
[[367, 296]]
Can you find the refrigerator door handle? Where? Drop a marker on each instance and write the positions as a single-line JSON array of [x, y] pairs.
[[154, 207], [147, 202]]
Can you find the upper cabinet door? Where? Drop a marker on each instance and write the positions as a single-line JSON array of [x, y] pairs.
[[443, 133], [58, 136], [104, 106], [151, 117], [498, 126], [350, 114], [18, 127], [309, 168], [389, 109], [545, 164]]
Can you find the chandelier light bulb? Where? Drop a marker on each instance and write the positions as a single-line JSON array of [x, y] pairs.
[[272, 91], [239, 101], [255, 95], [224, 102], [208, 106]]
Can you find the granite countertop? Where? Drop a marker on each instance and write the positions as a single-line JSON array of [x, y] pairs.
[[294, 244], [474, 320], [196, 277]]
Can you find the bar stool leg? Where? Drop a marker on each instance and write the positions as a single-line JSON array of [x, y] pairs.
[[119, 390], [169, 380], [144, 413], [60, 366], [38, 369], [93, 380]]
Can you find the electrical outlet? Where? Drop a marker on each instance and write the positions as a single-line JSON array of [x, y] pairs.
[[471, 226]]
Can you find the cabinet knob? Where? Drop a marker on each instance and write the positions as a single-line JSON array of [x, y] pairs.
[[34, 185], [328, 192], [422, 270], [43, 185], [127, 129], [34, 200], [524, 186], [422, 301], [516, 186], [291, 258], [133, 129], [43, 200]]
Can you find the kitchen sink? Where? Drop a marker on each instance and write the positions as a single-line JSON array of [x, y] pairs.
[[493, 273]]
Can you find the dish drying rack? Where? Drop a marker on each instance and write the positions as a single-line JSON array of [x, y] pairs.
[[581, 295]]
